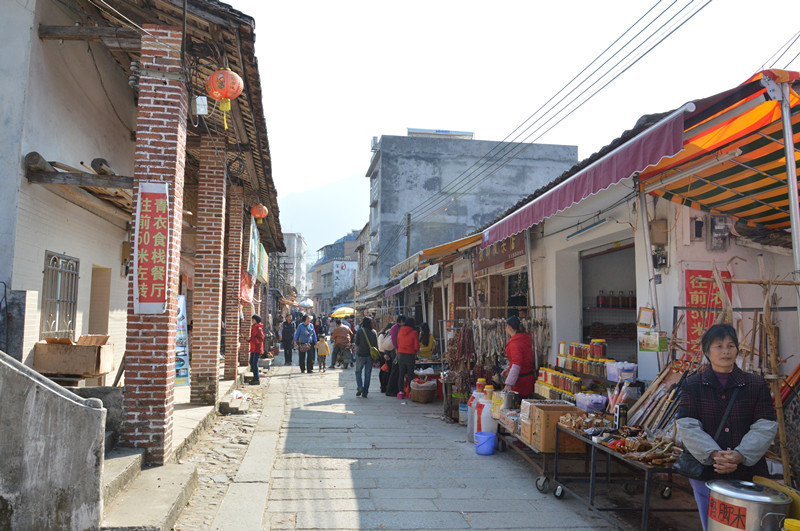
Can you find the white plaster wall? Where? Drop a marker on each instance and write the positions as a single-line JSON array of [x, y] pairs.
[[68, 117], [557, 272]]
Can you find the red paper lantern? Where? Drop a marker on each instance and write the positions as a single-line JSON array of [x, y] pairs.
[[259, 212], [224, 85]]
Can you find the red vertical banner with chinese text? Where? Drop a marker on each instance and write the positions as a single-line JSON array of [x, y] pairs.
[[151, 244], [702, 295]]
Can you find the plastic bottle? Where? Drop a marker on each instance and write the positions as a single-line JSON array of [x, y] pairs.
[[472, 403], [488, 391], [483, 417], [481, 383]]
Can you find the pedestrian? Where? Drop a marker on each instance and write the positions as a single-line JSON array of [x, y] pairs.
[[365, 340], [286, 336], [392, 388], [322, 352], [387, 350], [305, 338], [256, 341], [737, 451], [341, 337], [427, 344], [407, 348], [519, 376]]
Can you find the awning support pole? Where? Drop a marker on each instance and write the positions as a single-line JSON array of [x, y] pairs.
[[651, 273], [791, 180], [532, 297]]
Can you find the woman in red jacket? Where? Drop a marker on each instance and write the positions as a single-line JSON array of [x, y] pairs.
[[256, 346], [407, 348], [520, 375]]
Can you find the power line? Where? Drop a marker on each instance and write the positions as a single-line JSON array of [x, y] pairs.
[[427, 208], [522, 147]]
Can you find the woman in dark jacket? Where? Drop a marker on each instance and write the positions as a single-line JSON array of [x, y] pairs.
[[365, 338], [256, 341], [738, 453]]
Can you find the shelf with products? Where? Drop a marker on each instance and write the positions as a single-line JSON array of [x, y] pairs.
[[600, 379], [610, 308]]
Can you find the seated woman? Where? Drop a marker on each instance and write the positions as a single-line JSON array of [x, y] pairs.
[[427, 345], [739, 451]]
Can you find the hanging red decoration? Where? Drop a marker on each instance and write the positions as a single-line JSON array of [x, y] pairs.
[[259, 212], [224, 85]]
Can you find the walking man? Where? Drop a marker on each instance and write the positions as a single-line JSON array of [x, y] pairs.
[[341, 336], [286, 336], [305, 338]]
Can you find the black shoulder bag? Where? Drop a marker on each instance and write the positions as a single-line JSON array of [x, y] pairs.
[[687, 465]]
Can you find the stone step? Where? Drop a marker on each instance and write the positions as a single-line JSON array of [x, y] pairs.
[[154, 500], [120, 467]]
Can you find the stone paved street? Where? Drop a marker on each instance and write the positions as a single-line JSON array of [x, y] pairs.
[[318, 457]]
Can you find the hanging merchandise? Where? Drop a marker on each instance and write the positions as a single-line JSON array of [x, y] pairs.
[[224, 85]]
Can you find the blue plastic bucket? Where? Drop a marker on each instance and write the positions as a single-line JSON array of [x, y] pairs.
[[484, 442]]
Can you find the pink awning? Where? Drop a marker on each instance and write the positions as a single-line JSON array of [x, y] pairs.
[[663, 139], [394, 290]]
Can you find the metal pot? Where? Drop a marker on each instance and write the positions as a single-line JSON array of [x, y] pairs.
[[735, 505]]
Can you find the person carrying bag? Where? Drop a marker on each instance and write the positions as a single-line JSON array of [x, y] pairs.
[[366, 354]]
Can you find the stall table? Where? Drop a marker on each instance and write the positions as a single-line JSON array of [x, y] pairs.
[[541, 461], [637, 466]]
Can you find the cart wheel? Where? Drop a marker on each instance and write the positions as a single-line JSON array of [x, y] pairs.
[[542, 484], [666, 493], [559, 492], [631, 488], [501, 445]]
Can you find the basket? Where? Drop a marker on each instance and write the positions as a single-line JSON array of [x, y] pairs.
[[423, 396]]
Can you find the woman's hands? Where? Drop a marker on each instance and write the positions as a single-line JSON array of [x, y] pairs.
[[506, 388], [726, 461]]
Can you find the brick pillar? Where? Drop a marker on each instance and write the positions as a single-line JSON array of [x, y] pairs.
[[208, 275], [233, 272], [160, 156]]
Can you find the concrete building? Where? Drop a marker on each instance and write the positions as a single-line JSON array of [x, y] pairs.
[[448, 185], [333, 273]]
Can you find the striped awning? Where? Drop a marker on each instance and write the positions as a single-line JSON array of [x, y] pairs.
[[733, 160]]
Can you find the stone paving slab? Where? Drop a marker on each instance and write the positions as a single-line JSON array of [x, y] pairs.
[[350, 520], [300, 505], [317, 494], [236, 510]]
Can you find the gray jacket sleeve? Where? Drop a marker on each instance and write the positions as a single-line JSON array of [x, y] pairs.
[[755, 442], [697, 442]]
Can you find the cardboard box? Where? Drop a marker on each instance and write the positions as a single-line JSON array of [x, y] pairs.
[[509, 419], [544, 419], [528, 403], [89, 357], [525, 430]]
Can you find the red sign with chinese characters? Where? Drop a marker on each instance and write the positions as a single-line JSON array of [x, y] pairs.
[[734, 516], [151, 249], [500, 252], [702, 295]]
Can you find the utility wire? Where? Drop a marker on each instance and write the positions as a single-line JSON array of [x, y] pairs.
[[433, 205], [461, 177], [522, 147], [672, 30]]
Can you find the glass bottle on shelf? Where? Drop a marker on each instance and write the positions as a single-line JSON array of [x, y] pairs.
[[631, 299], [601, 299], [613, 299]]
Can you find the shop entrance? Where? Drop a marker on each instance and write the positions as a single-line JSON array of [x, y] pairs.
[[608, 287]]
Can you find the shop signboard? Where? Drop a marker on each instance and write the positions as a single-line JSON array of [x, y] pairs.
[[151, 249], [182, 374], [701, 295], [252, 261], [263, 264], [500, 252]]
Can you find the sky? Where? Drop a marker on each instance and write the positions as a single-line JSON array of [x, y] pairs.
[[335, 74]]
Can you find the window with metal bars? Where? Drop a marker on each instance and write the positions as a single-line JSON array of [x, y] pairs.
[[59, 296]]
